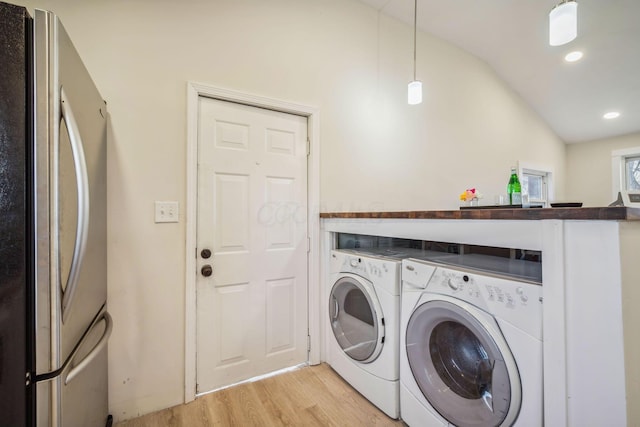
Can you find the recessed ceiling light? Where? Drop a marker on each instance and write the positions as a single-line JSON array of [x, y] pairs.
[[573, 56], [611, 115]]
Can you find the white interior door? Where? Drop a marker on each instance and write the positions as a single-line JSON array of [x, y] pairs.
[[252, 203]]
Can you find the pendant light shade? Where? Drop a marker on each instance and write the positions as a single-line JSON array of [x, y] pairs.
[[414, 92], [563, 23]]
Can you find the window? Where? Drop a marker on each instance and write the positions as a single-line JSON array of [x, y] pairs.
[[535, 184], [625, 168], [632, 173]]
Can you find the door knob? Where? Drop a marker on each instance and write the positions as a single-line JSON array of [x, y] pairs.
[[206, 270], [206, 253]]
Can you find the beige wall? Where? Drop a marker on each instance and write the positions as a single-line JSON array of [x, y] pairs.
[[589, 169], [338, 55]]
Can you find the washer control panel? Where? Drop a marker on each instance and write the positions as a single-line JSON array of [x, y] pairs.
[[473, 288], [383, 273], [517, 302]]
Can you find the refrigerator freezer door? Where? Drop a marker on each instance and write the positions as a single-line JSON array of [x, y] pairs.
[[83, 383], [71, 144]]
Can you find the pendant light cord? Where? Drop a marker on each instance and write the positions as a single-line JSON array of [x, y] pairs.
[[415, 24]]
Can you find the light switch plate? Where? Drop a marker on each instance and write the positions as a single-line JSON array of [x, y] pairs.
[[167, 212]]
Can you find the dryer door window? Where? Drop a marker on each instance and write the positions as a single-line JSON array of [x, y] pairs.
[[459, 367], [356, 319]]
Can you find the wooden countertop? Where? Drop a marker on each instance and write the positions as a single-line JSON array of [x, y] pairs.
[[618, 213]]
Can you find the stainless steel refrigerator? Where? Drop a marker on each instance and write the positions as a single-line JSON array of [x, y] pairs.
[[54, 324]]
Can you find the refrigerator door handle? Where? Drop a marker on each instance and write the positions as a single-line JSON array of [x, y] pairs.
[[82, 179], [77, 368]]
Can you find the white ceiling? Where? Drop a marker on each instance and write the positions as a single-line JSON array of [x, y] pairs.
[[512, 37]]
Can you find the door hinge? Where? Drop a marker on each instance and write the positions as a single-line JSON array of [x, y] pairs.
[[308, 147], [308, 244], [308, 344]]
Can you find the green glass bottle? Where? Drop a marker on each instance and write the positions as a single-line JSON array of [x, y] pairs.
[[514, 189]]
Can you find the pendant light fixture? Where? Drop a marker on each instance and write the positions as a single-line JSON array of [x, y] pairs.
[[414, 94], [563, 23]]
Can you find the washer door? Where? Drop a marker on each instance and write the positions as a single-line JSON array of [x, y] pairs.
[[462, 364], [356, 318]]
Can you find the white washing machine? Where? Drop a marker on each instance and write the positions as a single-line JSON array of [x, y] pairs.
[[364, 319], [471, 342]]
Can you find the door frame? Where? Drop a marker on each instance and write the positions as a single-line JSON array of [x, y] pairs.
[[194, 91]]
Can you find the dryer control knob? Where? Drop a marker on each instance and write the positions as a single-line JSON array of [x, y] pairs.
[[453, 285], [353, 263]]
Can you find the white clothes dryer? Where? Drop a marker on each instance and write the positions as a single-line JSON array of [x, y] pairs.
[[364, 319], [471, 342]]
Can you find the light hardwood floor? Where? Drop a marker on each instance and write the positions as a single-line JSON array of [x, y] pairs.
[[309, 396]]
